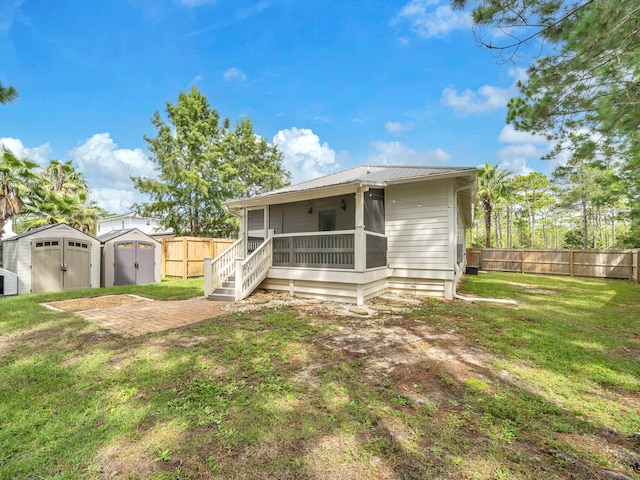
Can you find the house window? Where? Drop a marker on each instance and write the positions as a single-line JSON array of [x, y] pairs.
[[148, 223], [327, 220]]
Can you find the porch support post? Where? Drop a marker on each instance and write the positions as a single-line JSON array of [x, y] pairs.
[[238, 289], [208, 276], [360, 240], [242, 234]]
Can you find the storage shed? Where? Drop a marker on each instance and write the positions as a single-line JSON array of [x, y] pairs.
[[53, 258], [8, 283], [130, 257]]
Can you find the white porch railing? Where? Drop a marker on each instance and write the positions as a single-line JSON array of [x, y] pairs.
[[221, 268], [334, 249], [253, 269]]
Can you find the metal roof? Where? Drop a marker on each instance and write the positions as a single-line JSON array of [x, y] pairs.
[[365, 175]]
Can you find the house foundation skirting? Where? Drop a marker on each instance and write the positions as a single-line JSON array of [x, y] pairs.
[[357, 287]]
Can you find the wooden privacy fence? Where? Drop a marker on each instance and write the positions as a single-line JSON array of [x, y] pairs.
[[624, 264], [183, 257]]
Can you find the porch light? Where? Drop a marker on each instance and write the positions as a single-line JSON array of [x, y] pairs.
[[309, 209], [343, 204]]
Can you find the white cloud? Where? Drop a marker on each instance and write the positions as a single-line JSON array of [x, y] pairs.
[[486, 99], [304, 156], [511, 135], [36, 154], [107, 169], [394, 127], [395, 153], [113, 200], [429, 19], [517, 166], [234, 74], [522, 148]]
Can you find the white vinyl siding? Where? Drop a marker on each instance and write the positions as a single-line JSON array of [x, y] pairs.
[[417, 228], [338, 286]]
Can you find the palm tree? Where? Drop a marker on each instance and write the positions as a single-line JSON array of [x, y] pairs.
[[60, 196], [15, 176], [7, 94], [492, 184]]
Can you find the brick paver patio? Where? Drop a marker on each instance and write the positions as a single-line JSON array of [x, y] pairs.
[[144, 317]]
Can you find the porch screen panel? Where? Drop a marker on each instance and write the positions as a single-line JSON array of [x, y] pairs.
[[275, 218], [255, 220], [374, 210], [376, 251]]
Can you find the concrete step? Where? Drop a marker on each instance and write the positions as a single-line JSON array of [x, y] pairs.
[[219, 297], [225, 290]]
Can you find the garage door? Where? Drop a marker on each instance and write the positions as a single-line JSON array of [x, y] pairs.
[[134, 263], [60, 264]]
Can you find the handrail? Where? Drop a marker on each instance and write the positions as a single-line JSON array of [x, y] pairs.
[[220, 268], [315, 234], [253, 269]]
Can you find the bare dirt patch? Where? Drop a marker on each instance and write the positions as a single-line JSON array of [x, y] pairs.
[[106, 301]]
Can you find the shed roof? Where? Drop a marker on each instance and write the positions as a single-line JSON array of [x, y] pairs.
[[105, 237], [43, 228]]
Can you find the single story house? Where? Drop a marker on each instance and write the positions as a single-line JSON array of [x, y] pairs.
[[352, 235], [53, 258]]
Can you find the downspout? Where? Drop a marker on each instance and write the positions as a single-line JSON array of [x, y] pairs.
[[456, 268]]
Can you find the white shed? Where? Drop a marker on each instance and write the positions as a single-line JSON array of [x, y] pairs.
[[53, 258], [8, 283], [130, 257]]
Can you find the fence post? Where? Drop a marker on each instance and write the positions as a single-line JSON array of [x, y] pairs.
[[163, 260], [522, 260], [207, 276], [185, 260], [571, 260]]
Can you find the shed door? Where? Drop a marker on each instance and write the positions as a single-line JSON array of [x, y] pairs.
[[47, 263], [134, 263], [145, 263], [124, 260], [77, 264]]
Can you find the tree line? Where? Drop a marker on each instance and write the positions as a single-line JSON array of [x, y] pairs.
[[583, 93], [575, 208]]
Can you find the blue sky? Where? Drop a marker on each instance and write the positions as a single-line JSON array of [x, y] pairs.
[[334, 84]]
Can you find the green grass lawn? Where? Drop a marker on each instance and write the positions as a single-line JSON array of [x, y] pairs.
[[547, 389]]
